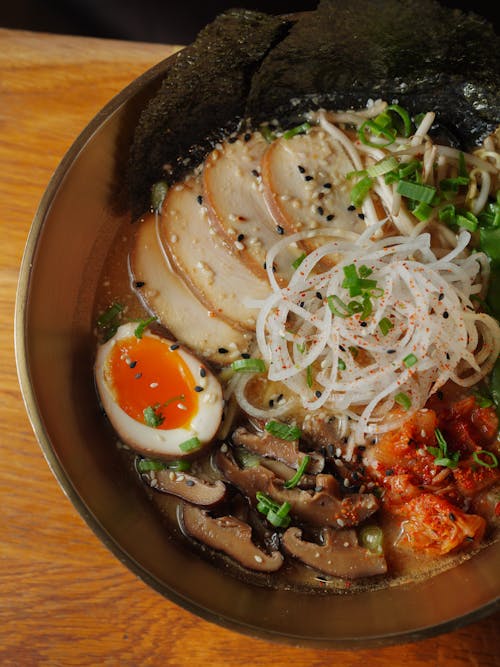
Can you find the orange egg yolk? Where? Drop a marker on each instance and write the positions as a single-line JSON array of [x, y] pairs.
[[146, 374]]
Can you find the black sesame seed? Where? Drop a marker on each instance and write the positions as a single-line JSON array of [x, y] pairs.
[[317, 394], [327, 185], [280, 229], [222, 350], [245, 355], [341, 348], [255, 173], [321, 210], [265, 265], [301, 169], [189, 482], [280, 397], [247, 136], [203, 372], [446, 314], [138, 376], [133, 364], [389, 472], [174, 346], [198, 388], [448, 356], [199, 199], [440, 395], [361, 216], [391, 351], [231, 140], [139, 283], [452, 516], [351, 207], [441, 297], [240, 237], [308, 178], [319, 296], [330, 216], [301, 304], [363, 324], [271, 403]]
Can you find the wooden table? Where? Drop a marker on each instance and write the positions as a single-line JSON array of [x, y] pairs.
[[64, 599]]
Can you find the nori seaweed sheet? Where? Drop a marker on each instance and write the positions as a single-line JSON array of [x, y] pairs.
[[202, 97], [250, 65]]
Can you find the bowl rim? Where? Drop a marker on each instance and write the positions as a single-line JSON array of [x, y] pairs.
[[63, 479]]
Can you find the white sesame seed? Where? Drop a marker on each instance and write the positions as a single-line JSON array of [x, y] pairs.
[[153, 385], [172, 476], [239, 245], [259, 559], [223, 448], [173, 238], [179, 478], [341, 523]]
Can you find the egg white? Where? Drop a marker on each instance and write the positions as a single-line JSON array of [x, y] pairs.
[[150, 441]]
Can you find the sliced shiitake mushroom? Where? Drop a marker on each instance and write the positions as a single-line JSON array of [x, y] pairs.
[[322, 507], [268, 445], [339, 554], [231, 536], [188, 487]]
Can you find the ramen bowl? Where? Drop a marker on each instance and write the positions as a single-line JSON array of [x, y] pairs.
[[72, 233]]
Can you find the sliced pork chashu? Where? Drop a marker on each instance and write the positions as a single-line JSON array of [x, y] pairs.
[[217, 277], [163, 292], [237, 209], [304, 185]]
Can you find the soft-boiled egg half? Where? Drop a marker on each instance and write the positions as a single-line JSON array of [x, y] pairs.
[[161, 400]]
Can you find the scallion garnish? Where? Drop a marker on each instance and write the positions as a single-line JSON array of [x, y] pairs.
[[441, 455], [360, 190], [382, 167], [248, 365], [403, 400], [109, 321], [385, 325], [141, 327], [371, 538], [148, 465], [158, 193], [492, 463], [276, 514], [482, 401], [153, 418], [190, 445], [404, 116], [293, 481], [303, 128], [410, 360], [283, 431], [309, 376], [371, 130], [341, 365], [267, 133], [423, 211], [297, 262], [416, 191]]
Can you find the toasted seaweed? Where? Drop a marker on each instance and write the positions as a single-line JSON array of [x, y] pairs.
[[250, 67], [202, 96], [421, 54]]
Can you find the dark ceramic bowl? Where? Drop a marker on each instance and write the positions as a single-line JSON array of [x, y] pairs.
[[69, 240]]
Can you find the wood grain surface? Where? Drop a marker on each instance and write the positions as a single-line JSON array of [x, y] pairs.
[[64, 599]]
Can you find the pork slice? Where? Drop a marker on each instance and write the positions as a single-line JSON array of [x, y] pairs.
[[164, 294], [217, 277], [237, 209], [305, 188]]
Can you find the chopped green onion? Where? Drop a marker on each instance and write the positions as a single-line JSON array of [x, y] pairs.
[[416, 191], [382, 167], [403, 400], [490, 244], [485, 453], [283, 431], [372, 538], [354, 307], [462, 168], [448, 214], [249, 365], [109, 321], [297, 262], [141, 327], [299, 129], [334, 301], [292, 483], [147, 465], [360, 190], [341, 365], [482, 401], [309, 376], [410, 360], [276, 514], [152, 418], [301, 347], [247, 459], [190, 445], [405, 117], [158, 193], [267, 133], [440, 453], [385, 325], [452, 184], [467, 220], [364, 271], [367, 307], [423, 211], [409, 168], [376, 130]]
